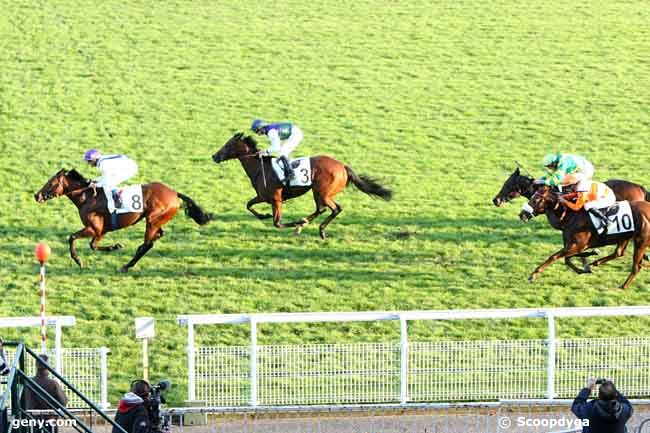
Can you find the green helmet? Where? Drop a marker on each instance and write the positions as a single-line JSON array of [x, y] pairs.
[[551, 158]]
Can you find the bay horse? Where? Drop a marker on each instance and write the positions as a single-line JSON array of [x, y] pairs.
[[160, 204], [329, 177], [579, 233], [518, 185]]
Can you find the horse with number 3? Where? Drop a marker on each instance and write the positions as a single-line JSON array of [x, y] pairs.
[[157, 205], [328, 177]]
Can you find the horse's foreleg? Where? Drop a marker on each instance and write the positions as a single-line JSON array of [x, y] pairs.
[[570, 250], [83, 233], [94, 245], [585, 267], [277, 214], [252, 202]]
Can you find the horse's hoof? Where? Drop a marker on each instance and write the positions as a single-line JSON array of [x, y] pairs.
[[322, 235], [124, 270], [304, 222], [587, 270], [298, 229], [118, 246], [531, 278]]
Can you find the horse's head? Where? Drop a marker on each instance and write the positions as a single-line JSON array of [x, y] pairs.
[[239, 145], [61, 183], [537, 204], [515, 186]]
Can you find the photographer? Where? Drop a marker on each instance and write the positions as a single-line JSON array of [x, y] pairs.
[[608, 413], [132, 414]]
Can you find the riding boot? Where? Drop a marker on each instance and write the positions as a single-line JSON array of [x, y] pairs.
[[117, 199], [603, 219], [288, 171]]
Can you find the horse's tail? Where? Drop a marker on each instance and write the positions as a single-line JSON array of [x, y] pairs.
[[368, 185], [194, 211]]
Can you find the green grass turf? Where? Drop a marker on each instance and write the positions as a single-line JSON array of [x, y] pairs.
[[437, 99]]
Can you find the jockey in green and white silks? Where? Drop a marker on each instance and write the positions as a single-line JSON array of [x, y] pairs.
[[567, 169], [284, 137]]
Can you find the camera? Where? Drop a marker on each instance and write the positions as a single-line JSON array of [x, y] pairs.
[[158, 423], [600, 381]]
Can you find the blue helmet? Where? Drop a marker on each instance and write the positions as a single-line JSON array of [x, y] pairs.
[[257, 124], [92, 155]]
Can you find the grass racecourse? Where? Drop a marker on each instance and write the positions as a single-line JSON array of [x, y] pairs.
[[435, 99]]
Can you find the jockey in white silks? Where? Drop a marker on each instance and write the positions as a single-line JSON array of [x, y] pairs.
[[115, 169], [284, 137]]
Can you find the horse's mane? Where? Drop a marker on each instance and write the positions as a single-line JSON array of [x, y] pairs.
[[250, 141], [76, 176]]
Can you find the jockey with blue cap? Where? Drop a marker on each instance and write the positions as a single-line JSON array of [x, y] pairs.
[[115, 169], [284, 137]]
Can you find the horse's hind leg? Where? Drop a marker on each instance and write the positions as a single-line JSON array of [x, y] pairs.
[[336, 209], [83, 233], [639, 250], [320, 209], [618, 252], [152, 233], [94, 245]]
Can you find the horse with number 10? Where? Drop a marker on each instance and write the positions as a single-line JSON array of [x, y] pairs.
[[328, 176], [159, 205]]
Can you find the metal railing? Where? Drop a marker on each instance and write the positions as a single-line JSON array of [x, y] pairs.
[[86, 369], [411, 371], [14, 404]]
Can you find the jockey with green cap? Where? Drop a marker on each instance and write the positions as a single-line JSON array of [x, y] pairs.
[[566, 169], [284, 138]]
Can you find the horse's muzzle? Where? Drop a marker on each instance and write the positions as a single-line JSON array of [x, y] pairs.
[[498, 201], [217, 158], [525, 216], [39, 197]]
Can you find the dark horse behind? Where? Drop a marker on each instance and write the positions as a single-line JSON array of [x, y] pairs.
[[160, 205], [329, 177], [519, 185]]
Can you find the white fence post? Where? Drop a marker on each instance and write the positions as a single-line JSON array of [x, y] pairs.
[[404, 360], [550, 385], [253, 360], [103, 386], [191, 366], [58, 351]]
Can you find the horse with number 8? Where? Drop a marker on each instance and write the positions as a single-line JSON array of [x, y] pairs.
[[579, 233], [159, 205]]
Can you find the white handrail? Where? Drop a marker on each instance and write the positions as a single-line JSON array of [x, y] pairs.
[[550, 314]]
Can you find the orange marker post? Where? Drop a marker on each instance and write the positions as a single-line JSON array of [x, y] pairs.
[[42, 253]]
